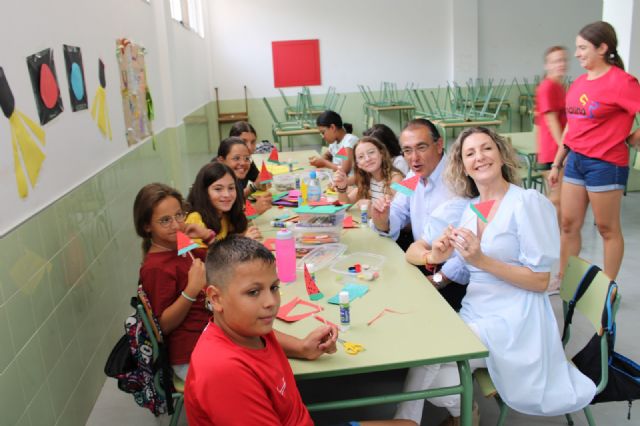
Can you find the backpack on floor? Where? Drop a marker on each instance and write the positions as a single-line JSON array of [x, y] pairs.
[[623, 374], [136, 365]]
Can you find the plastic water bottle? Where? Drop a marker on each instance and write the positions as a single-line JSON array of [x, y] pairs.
[[285, 256], [314, 191], [345, 311]]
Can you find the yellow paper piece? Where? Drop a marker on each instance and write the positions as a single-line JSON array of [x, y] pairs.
[[303, 191], [278, 169], [100, 112], [23, 144], [21, 180], [37, 131]]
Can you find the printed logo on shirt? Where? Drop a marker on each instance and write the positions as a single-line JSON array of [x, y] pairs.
[[282, 387], [585, 110]]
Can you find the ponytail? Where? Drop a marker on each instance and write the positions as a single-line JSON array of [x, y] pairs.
[[614, 59]]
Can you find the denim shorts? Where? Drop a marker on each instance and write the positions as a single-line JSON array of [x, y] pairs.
[[596, 175]]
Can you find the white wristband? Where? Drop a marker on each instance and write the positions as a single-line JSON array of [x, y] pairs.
[[189, 298]]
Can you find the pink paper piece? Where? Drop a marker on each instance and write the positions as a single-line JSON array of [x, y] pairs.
[[326, 322], [384, 311]]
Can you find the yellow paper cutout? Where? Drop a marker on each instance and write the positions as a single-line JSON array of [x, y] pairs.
[[303, 191], [278, 169], [23, 143], [100, 106]]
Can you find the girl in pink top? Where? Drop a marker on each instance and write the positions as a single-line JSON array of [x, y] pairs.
[[600, 107], [550, 116]]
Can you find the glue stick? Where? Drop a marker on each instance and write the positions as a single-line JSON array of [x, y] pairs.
[[345, 313]]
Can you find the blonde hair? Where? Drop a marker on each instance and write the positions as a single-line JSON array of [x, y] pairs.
[[363, 178], [456, 177]]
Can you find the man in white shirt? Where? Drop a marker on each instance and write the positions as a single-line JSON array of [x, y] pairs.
[[423, 150]]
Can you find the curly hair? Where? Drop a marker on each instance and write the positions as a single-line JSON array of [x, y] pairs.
[[456, 177], [363, 178], [200, 202]]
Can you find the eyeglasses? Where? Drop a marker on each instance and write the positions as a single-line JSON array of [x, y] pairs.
[[166, 221], [365, 155], [421, 148]]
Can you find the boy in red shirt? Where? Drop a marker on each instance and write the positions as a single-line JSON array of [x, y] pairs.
[[239, 374]]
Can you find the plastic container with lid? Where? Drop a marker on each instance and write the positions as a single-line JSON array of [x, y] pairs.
[[322, 256]]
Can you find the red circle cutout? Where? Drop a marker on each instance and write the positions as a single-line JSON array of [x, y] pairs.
[[48, 87]]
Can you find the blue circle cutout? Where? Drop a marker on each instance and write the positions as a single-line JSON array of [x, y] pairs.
[[77, 84]]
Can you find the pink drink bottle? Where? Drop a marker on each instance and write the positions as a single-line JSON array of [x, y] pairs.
[[285, 256]]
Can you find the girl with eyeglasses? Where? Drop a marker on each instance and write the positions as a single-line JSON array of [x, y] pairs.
[[235, 153], [173, 283], [216, 202], [373, 170]]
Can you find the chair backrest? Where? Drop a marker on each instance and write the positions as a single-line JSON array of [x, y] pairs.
[[592, 303], [271, 113], [284, 98]]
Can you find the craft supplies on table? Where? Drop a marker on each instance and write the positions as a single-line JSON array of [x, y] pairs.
[[322, 256], [368, 262]]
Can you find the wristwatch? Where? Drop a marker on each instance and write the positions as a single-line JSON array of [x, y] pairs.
[[438, 281]]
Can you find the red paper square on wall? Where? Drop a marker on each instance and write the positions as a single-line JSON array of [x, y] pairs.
[[296, 63]]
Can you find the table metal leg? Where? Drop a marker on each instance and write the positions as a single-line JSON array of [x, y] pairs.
[[466, 400]]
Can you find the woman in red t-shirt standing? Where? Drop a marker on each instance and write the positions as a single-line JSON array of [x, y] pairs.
[[550, 116], [600, 107]]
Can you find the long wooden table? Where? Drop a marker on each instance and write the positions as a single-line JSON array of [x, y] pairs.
[[429, 332]]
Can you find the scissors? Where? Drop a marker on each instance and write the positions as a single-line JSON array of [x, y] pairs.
[[350, 347]]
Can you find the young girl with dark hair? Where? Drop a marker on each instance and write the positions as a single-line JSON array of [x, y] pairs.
[[336, 136], [384, 134], [217, 203], [247, 133], [173, 283], [235, 153], [600, 107], [373, 173]]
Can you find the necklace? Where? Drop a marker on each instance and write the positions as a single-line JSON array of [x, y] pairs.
[[153, 243]]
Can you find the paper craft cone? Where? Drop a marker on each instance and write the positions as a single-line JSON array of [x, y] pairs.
[[312, 289], [348, 222], [273, 156], [407, 186], [249, 210], [99, 108], [483, 209], [342, 153], [185, 244], [265, 176]]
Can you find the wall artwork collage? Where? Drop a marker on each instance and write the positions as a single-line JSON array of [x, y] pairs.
[[28, 137]]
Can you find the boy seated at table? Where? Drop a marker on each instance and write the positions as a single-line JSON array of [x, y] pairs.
[[239, 374]]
